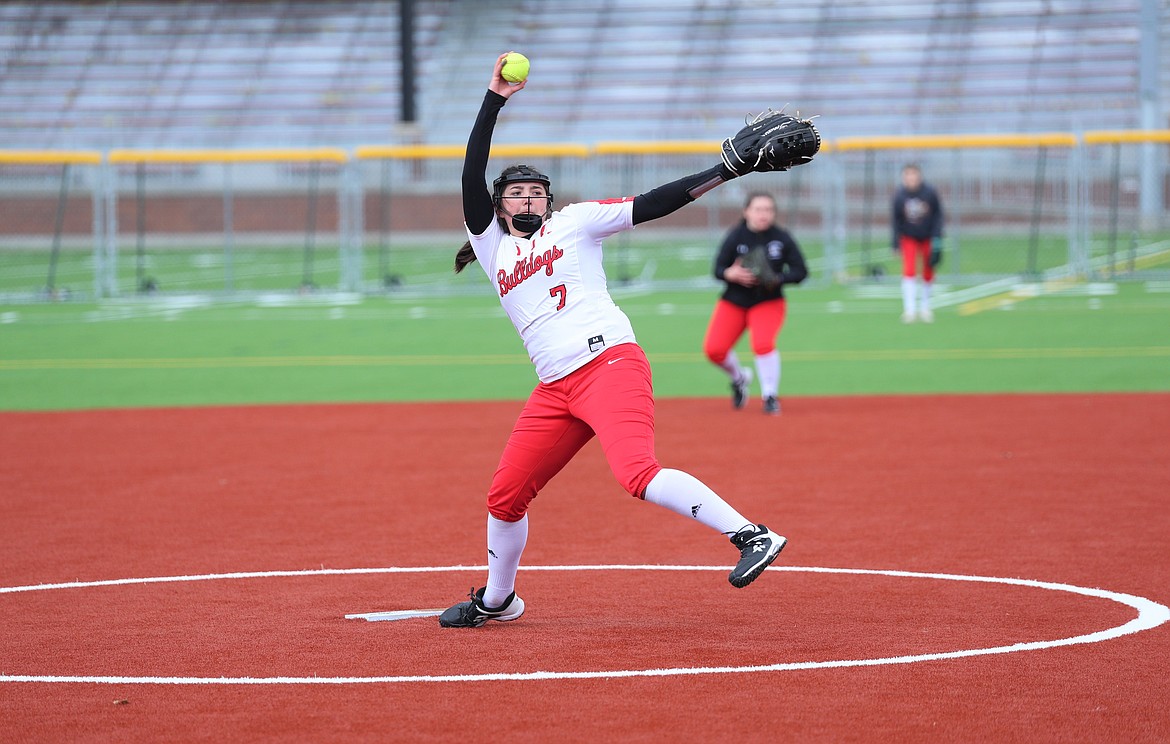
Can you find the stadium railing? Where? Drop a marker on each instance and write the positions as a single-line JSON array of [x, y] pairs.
[[300, 222]]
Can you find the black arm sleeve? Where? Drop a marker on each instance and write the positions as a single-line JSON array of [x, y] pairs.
[[795, 269], [726, 256], [896, 221], [670, 197], [478, 210], [936, 229]]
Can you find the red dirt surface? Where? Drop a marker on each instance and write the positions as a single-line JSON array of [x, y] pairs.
[[1061, 488]]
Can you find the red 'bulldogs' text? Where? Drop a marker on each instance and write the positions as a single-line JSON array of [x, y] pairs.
[[527, 267]]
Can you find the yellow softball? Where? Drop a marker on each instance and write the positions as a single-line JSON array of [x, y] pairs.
[[515, 69]]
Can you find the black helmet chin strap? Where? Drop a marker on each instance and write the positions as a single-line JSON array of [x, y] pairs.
[[527, 223]]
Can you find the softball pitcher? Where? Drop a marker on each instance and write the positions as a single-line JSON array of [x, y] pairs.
[[594, 380]]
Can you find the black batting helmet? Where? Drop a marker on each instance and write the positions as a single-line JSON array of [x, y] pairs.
[[520, 174]]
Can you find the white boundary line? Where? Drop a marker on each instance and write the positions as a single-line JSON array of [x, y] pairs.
[[1150, 615]]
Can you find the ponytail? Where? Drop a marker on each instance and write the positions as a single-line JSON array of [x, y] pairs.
[[464, 257]]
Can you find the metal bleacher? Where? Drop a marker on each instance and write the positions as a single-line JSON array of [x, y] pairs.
[[677, 69], [202, 73], [196, 74]]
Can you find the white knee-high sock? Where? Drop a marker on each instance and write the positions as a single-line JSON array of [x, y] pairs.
[[909, 292], [731, 366], [505, 541], [768, 366], [924, 296], [685, 494]]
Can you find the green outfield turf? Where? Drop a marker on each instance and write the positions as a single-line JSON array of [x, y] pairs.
[[160, 351], [287, 267]]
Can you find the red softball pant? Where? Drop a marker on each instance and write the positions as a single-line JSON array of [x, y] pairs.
[[915, 251], [729, 321], [612, 396]]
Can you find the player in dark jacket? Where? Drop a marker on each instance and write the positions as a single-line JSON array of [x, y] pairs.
[[757, 258], [918, 225]]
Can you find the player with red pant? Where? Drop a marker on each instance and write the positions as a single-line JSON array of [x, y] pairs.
[[918, 224], [594, 379], [552, 428], [751, 302]]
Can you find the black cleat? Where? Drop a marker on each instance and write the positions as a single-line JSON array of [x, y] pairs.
[[473, 613], [758, 547], [739, 389], [772, 406]]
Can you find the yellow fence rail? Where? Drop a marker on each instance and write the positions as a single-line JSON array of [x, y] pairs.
[[49, 157], [228, 156], [570, 150]]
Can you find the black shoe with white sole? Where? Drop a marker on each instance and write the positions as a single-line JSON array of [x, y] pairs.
[[740, 388], [474, 613], [758, 547]]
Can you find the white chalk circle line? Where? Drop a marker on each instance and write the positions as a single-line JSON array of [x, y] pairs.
[[1150, 615]]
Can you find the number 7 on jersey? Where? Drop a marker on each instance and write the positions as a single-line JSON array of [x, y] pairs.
[[562, 292]]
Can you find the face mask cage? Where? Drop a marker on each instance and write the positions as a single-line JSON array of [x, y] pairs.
[[520, 174]]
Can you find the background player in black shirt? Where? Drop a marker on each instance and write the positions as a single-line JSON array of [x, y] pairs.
[[757, 258], [918, 224]]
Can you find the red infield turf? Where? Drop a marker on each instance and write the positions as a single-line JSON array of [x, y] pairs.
[[1063, 489]]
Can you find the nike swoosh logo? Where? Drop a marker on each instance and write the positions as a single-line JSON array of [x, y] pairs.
[[611, 361]]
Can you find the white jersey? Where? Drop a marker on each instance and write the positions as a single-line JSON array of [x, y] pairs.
[[552, 285]]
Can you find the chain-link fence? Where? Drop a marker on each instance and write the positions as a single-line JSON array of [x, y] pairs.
[[226, 224], [49, 228]]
